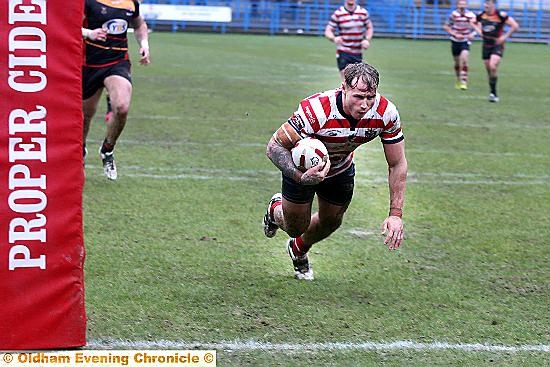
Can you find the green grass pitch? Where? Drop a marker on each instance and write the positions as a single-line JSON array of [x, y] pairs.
[[175, 249]]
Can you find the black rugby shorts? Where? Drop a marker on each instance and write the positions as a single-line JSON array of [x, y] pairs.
[[493, 49], [336, 190], [92, 78], [458, 47], [343, 59]]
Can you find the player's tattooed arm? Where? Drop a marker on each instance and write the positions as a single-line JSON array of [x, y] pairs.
[[282, 158], [287, 136], [278, 151]]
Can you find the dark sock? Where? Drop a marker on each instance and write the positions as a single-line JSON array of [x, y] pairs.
[[493, 84], [107, 147]]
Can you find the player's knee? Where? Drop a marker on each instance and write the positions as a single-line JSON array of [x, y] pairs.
[[294, 230], [122, 109], [330, 224], [294, 224]]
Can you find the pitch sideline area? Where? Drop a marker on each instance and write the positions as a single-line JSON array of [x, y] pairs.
[[281, 347]]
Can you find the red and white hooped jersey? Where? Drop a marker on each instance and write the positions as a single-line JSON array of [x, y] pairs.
[[351, 26], [319, 116], [461, 24]]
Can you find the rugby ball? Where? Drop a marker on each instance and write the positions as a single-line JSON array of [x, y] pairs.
[[309, 152]]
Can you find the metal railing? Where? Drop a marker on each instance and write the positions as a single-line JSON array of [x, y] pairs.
[[391, 18]]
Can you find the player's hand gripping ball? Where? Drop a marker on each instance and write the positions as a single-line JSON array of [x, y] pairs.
[[309, 152]]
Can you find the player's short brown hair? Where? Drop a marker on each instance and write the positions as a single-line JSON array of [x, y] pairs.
[[361, 71]]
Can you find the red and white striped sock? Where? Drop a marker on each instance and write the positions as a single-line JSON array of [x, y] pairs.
[[272, 209], [299, 248]]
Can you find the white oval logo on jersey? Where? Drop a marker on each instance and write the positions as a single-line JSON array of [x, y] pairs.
[[115, 26]]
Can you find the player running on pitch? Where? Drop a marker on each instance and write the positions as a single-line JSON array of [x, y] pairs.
[[351, 29], [343, 119], [490, 24], [460, 27], [107, 65]]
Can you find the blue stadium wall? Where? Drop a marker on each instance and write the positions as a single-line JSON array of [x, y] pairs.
[[416, 19]]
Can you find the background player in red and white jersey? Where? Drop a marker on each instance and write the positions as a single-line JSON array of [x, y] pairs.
[[460, 27], [351, 29], [490, 24], [343, 119], [107, 65]]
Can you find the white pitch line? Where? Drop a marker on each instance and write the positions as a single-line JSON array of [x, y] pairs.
[[488, 126], [371, 148], [446, 178], [188, 177], [358, 181], [525, 125], [368, 345], [438, 175], [158, 117], [465, 152], [208, 172], [182, 143]]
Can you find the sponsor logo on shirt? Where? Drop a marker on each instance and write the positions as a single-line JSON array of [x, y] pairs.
[[296, 122], [115, 26], [310, 116]]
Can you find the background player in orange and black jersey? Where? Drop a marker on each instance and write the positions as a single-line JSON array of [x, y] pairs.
[[490, 24], [107, 65]]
